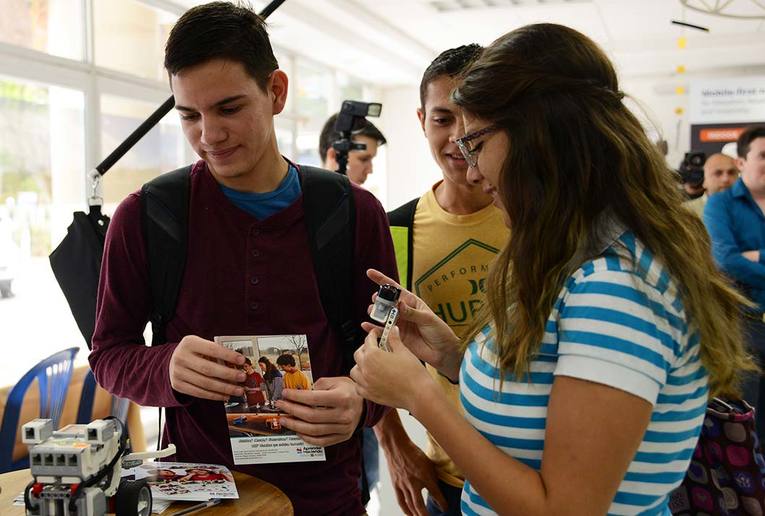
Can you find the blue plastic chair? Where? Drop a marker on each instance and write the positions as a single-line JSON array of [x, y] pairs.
[[87, 397], [53, 375]]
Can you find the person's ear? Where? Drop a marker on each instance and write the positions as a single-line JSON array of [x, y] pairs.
[[278, 85], [421, 117], [740, 164], [331, 162]]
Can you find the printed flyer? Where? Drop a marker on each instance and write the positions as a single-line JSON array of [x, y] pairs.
[[272, 363], [181, 481]]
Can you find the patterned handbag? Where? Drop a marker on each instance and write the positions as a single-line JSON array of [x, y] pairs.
[[727, 471]]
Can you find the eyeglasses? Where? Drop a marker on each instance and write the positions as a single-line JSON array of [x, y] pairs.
[[471, 155]]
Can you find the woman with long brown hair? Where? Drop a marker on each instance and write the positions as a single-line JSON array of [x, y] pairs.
[[606, 325], [273, 379]]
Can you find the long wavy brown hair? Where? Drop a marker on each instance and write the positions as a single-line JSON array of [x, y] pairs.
[[577, 152]]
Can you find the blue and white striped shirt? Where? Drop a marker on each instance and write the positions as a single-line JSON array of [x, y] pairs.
[[618, 321]]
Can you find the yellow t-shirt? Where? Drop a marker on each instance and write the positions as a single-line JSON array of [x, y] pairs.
[[452, 254], [295, 380]]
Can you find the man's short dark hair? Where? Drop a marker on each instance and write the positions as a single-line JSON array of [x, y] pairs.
[[746, 138], [451, 63], [221, 30], [286, 359], [361, 127]]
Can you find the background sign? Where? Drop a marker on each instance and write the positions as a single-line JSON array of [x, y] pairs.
[[720, 109]]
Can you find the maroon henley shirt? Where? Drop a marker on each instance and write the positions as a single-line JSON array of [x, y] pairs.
[[242, 277]]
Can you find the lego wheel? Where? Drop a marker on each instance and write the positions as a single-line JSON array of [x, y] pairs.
[[133, 498]]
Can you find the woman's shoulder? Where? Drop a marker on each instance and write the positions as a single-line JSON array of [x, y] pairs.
[[627, 287], [627, 268]]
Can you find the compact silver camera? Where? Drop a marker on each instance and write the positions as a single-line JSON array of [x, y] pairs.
[[387, 297]]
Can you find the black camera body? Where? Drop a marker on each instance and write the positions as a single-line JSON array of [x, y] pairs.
[[351, 112], [692, 168]]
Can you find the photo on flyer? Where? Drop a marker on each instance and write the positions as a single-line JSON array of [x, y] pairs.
[[272, 363]]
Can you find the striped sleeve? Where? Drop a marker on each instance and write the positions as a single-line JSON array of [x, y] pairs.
[[614, 329]]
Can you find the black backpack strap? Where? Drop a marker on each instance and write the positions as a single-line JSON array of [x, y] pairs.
[[330, 219], [403, 217], [165, 217]]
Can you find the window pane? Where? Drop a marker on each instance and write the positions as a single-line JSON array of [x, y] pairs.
[[314, 91], [164, 148], [313, 97], [41, 159], [285, 129], [52, 26], [350, 89], [307, 146], [130, 37], [42, 178]]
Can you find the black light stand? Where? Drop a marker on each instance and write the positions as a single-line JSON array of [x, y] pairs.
[[351, 113]]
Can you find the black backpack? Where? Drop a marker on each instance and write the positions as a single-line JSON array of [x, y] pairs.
[[329, 217]]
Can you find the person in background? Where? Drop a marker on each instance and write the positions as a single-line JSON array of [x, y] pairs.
[[253, 383], [691, 171], [359, 161], [736, 224], [452, 229], [692, 190], [293, 376], [272, 378], [602, 322], [720, 173]]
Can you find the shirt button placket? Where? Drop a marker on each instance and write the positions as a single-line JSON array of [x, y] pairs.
[[254, 305]]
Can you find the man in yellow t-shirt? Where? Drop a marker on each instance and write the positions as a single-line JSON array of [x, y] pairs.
[[293, 377], [445, 241]]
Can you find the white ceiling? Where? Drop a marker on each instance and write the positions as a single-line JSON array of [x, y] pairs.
[[390, 42]]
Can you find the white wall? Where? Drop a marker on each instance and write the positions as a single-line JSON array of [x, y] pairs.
[[653, 100], [410, 166]]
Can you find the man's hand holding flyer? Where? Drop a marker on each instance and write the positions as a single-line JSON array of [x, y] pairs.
[[272, 363]]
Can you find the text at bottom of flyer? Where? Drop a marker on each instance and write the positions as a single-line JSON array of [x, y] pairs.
[[274, 449]]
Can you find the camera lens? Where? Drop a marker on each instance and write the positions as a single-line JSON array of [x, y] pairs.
[[388, 292]]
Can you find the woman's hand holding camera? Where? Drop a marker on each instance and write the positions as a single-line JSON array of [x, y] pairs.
[[395, 378], [421, 330]]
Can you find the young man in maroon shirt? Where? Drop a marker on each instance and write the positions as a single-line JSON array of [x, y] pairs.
[[248, 271]]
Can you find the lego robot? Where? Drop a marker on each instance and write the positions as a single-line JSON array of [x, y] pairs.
[[77, 469]]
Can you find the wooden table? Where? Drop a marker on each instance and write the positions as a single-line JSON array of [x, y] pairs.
[[256, 497]]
